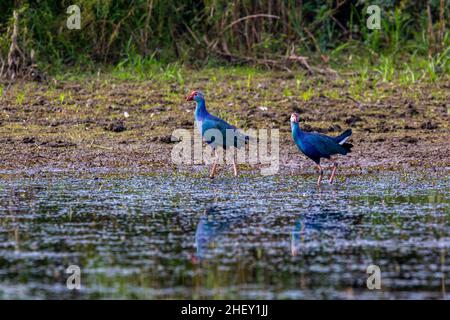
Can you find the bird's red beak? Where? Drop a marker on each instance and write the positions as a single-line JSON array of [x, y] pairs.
[[190, 97]]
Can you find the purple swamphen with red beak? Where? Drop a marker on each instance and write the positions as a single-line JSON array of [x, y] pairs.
[[316, 145], [215, 131]]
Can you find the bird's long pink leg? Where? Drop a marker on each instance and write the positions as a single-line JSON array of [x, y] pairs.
[[235, 168], [333, 172], [320, 176], [213, 170]]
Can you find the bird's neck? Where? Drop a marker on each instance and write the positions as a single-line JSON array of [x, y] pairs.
[[296, 129], [200, 110]]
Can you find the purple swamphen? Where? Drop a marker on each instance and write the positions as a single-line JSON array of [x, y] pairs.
[[316, 145], [215, 131]]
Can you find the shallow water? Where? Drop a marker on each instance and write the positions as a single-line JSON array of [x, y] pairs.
[[161, 236]]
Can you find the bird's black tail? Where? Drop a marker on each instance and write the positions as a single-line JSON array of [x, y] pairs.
[[348, 147]]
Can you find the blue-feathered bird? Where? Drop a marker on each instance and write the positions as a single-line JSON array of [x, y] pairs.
[[215, 131], [316, 145]]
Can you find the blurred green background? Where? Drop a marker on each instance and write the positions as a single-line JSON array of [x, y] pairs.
[[142, 34]]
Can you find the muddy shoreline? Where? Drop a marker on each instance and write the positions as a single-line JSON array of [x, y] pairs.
[[112, 125]]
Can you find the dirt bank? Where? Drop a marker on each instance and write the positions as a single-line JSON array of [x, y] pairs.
[[115, 124]]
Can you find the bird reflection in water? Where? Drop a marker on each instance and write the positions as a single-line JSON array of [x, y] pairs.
[[303, 228], [325, 224], [212, 227]]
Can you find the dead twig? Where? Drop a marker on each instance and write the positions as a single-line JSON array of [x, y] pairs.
[[300, 59], [253, 16], [116, 31], [265, 62], [359, 104], [196, 39], [16, 58], [18, 64], [431, 37]]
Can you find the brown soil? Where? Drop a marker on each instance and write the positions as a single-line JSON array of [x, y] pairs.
[[82, 125]]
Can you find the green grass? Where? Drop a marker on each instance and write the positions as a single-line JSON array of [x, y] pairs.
[[20, 98], [138, 68], [308, 94]]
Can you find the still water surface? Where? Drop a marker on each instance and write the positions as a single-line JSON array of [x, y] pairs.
[[162, 236]]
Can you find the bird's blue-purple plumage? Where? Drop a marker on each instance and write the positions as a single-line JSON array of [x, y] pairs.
[[206, 121], [316, 145]]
